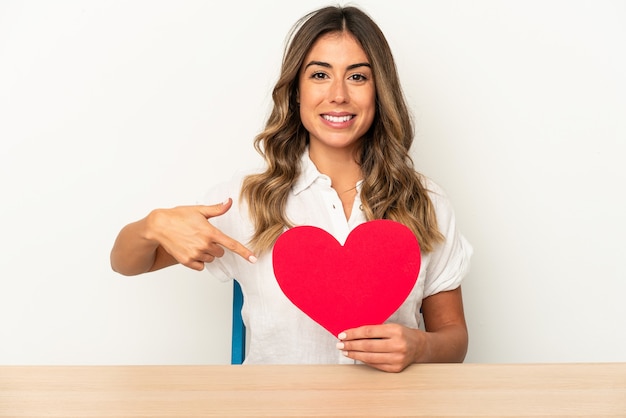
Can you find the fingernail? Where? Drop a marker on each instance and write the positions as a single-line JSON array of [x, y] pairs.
[[342, 335], [225, 202], [345, 353], [252, 259], [340, 346]]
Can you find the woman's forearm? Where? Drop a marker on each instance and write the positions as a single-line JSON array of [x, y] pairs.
[[446, 345], [133, 253]]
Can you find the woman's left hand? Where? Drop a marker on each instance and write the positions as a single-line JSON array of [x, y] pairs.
[[392, 347], [388, 347]]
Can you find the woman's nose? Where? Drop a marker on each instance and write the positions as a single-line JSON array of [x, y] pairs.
[[338, 92]]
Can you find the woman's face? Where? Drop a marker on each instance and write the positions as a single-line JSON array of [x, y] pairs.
[[336, 93]]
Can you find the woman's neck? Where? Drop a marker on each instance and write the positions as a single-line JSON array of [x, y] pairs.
[[339, 164], [344, 172]]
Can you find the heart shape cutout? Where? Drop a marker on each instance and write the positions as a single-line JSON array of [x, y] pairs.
[[360, 283]]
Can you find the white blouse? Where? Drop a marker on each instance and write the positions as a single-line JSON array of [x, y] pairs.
[[279, 333]]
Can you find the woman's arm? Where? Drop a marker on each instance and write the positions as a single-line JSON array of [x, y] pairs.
[[135, 252], [170, 236], [446, 329]]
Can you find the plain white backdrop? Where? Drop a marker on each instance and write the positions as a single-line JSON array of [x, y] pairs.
[[109, 109]]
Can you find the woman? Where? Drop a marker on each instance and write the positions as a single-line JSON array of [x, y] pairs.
[[336, 147]]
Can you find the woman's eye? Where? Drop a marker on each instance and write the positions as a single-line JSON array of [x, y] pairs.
[[318, 76], [358, 77]]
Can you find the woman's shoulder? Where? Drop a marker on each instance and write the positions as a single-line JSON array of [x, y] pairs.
[[227, 188], [438, 197], [434, 189]]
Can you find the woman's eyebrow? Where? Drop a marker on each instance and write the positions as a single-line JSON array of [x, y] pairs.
[[327, 65]]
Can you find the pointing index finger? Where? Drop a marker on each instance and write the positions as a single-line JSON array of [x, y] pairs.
[[236, 247]]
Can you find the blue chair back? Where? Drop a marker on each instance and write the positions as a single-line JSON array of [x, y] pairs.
[[238, 344]]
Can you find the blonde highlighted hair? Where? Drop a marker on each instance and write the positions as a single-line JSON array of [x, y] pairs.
[[391, 188]]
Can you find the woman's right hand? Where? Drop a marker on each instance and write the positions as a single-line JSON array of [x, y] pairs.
[[185, 233], [179, 235]]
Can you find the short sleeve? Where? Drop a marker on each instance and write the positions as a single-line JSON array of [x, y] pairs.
[[449, 262]]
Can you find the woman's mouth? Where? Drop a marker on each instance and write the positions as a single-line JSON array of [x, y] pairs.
[[338, 119]]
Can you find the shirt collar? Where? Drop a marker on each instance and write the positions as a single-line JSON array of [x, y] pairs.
[[308, 174]]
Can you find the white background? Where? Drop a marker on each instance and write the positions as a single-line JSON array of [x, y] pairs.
[[109, 109]]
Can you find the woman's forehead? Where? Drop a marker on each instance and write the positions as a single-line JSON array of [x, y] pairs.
[[338, 45]]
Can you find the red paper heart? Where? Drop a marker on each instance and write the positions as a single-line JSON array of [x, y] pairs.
[[362, 282]]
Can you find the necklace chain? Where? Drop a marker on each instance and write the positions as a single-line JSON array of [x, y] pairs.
[[346, 191]]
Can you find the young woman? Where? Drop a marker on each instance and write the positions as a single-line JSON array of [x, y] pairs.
[[336, 147]]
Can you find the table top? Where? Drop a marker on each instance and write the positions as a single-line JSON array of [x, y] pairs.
[[436, 390]]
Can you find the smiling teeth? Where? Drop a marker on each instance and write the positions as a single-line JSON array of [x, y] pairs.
[[337, 119]]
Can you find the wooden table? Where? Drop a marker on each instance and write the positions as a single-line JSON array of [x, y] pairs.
[[439, 390]]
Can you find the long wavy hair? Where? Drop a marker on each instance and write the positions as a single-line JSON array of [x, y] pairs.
[[391, 187]]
